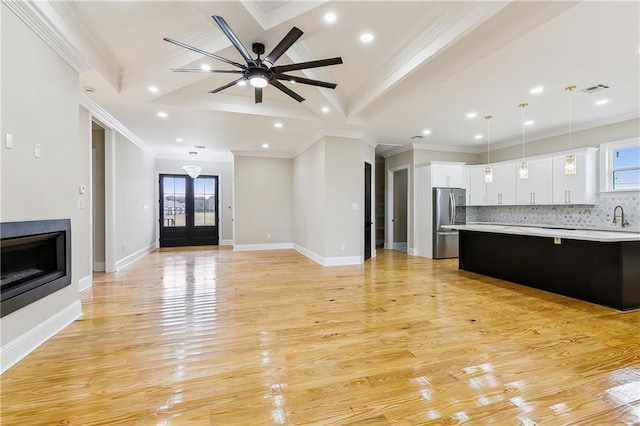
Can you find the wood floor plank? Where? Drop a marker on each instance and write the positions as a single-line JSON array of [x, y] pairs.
[[209, 336]]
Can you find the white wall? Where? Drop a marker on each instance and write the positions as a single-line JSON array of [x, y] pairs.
[[308, 198], [263, 189], [329, 200], [40, 105], [224, 171], [135, 203]]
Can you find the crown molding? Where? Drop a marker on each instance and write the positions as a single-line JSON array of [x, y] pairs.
[[41, 19], [110, 121], [263, 154]]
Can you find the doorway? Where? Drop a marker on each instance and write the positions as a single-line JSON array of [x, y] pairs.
[[188, 210], [98, 197], [398, 210], [367, 211]]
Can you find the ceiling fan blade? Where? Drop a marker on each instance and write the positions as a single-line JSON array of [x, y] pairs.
[[301, 80], [226, 86], [305, 65], [202, 52], [258, 95], [232, 37], [200, 70], [282, 47], [285, 89]]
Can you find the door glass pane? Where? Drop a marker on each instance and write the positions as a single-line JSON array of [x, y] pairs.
[[204, 198], [174, 198]]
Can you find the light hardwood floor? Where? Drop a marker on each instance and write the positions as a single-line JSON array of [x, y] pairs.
[[216, 337]]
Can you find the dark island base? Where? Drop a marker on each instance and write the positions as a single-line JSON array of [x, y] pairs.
[[606, 273]]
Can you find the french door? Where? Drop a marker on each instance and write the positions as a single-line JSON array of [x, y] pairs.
[[188, 211]]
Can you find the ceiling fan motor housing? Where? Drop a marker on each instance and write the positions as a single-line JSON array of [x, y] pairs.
[[258, 48]]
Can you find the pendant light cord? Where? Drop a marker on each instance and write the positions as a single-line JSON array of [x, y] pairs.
[[570, 89], [488, 118], [523, 105]]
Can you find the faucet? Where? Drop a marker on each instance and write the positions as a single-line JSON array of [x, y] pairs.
[[623, 221]]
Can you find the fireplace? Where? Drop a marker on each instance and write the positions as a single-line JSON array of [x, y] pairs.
[[35, 261]]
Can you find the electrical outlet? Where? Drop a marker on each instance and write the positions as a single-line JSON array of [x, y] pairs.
[[268, 236], [342, 246], [37, 150], [557, 240]]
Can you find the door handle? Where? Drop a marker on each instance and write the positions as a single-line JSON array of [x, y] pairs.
[[569, 196]]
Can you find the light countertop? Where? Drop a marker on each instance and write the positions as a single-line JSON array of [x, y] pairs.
[[588, 234]]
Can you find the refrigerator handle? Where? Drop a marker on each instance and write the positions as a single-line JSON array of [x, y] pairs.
[[452, 204]]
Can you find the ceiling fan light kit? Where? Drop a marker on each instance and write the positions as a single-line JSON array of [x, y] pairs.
[[261, 72]]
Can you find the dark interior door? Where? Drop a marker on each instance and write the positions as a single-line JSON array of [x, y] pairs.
[[367, 211], [188, 211]]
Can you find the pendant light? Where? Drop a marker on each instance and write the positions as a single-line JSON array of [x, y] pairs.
[[523, 167], [488, 172], [192, 171], [570, 159]]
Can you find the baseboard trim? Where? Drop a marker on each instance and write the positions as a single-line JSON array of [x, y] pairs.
[[85, 283], [99, 266], [328, 261], [400, 246], [134, 256], [225, 243], [20, 347], [412, 252], [253, 247]]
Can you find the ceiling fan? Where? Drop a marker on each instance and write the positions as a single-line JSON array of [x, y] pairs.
[[261, 72]]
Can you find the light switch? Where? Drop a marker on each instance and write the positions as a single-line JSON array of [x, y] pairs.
[[557, 240], [36, 150], [8, 141], [354, 206], [82, 189]]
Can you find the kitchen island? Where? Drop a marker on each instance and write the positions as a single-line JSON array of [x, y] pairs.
[[599, 266]]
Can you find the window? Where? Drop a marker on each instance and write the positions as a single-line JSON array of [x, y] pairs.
[[622, 166]]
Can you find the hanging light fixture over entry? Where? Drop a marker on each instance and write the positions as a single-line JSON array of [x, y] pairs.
[[192, 171]]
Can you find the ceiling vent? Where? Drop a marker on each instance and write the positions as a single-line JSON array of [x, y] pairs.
[[595, 88], [417, 137], [199, 146]]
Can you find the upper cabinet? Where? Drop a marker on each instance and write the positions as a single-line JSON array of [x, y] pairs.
[[539, 187], [547, 184], [502, 191], [446, 175], [476, 187], [581, 187]]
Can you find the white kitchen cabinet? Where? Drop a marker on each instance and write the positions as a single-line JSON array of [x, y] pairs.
[[476, 187], [538, 188], [446, 175], [502, 191], [581, 187]]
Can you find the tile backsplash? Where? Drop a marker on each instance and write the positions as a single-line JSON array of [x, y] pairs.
[[599, 215]]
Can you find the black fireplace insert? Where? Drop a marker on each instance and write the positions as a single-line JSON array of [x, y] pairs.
[[35, 261]]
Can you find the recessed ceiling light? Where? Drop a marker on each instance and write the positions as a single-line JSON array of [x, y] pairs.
[[426, 132], [528, 123], [277, 125], [89, 89], [602, 102], [366, 38], [242, 83], [536, 90], [325, 109], [205, 67], [292, 81], [179, 140], [153, 89], [471, 115], [265, 145], [478, 137], [330, 17], [163, 114]]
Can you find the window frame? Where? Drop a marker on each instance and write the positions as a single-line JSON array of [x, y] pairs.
[[606, 164]]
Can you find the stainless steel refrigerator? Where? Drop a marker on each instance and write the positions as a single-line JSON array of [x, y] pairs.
[[448, 209]]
